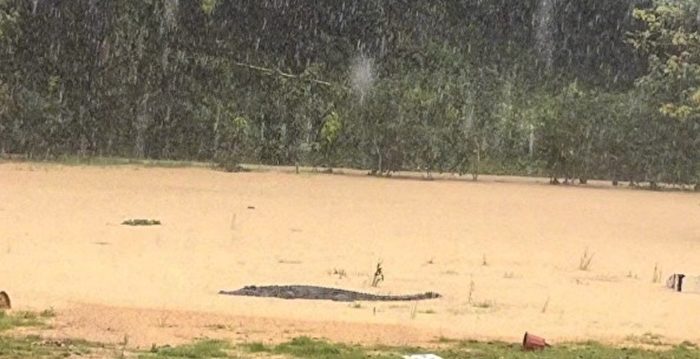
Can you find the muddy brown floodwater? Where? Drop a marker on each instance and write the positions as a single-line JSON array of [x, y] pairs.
[[505, 256]]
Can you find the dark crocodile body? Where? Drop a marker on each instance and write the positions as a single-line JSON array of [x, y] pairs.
[[322, 293]]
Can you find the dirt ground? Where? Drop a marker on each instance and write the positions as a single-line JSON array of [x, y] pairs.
[[504, 255]]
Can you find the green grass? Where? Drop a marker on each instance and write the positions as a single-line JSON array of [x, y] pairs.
[[19, 319], [304, 347], [308, 348], [24, 348], [36, 347], [47, 313], [318, 349], [33, 346], [566, 351], [201, 349], [257, 347], [646, 339]]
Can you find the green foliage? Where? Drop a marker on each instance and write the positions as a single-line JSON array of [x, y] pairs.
[[256, 347], [569, 124], [35, 347], [331, 128], [141, 222], [18, 319], [573, 351], [231, 140], [455, 87], [304, 347], [208, 6], [317, 349], [47, 313], [331, 131], [202, 349], [8, 18], [671, 40]]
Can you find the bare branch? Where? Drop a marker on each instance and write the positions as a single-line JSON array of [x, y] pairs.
[[279, 72]]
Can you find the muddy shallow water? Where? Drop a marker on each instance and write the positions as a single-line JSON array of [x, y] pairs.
[[505, 256]]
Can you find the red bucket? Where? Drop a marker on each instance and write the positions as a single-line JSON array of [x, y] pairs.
[[533, 342]]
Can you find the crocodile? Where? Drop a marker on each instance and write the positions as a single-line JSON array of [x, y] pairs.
[[322, 293]]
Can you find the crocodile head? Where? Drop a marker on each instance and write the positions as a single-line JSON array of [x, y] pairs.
[[433, 295]]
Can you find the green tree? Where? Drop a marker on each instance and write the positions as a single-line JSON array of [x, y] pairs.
[[670, 38], [330, 134]]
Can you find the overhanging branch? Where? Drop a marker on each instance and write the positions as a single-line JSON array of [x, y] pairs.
[[279, 72]]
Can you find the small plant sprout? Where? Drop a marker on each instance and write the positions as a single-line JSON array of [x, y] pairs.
[[48, 313], [483, 304], [657, 274], [378, 275], [545, 306], [340, 273], [585, 261], [471, 292]]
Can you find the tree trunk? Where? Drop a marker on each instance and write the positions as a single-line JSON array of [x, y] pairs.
[[165, 151], [141, 127], [477, 163], [379, 158], [217, 136]]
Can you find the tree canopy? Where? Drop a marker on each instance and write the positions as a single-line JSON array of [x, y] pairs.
[[572, 89]]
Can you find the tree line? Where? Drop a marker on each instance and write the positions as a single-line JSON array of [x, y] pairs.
[[571, 89]]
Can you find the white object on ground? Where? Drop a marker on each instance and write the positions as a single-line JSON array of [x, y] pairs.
[[691, 284], [421, 356]]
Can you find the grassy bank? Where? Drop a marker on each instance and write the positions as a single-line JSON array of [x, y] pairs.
[[21, 346]]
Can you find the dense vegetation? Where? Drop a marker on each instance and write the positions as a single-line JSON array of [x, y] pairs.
[[575, 89]]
